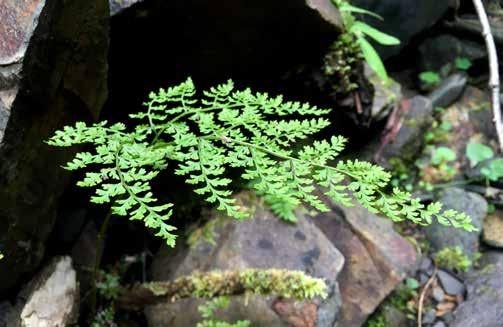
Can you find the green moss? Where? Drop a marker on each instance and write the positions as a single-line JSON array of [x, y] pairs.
[[453, 258], [377, 320], [341, 64], [282, 283], [206, 232]]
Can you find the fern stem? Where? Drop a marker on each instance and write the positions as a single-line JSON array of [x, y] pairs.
[[184, 114], [280, 156], [97, 262]]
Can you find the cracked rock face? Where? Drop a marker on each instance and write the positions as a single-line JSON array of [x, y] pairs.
[[53, 72]]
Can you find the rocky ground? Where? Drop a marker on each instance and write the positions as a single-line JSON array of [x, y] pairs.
[[59, 66]]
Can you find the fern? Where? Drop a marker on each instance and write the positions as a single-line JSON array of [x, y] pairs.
[[238, 130]]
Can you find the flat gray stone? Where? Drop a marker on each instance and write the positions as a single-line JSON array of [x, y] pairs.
[[448, 91], [450, 284]]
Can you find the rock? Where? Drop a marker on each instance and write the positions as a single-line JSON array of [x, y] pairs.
[[473, 205], [50, 299], [436, 52], [5, 310], [84, 256], [438, 294], [394, 317], [469, 25], [482, 306], [426, 264], [412, 16], [53, 71], [117, 6], [491, 258], [408, 141], [450, 284], [492, 233], [263, 241], [440, 324], [449, 91], [429, 317], [378, 259], [387, 95]]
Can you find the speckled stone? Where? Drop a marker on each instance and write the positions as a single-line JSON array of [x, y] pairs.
[[493, 230]]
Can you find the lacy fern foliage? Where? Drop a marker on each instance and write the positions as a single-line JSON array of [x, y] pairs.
[[239, 130]]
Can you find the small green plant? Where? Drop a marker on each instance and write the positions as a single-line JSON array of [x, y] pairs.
[[412, 283], [232, 130], [208, 309], [438, 132], [104, 318], [108, 285], [453, 258], [361, 31], [463, 63], [494, 171], [478, 153], [377, 320], [429, 78], [442, 155]]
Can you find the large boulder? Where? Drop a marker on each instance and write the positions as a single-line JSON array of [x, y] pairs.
[[377, 259], [263, 241], [53, 71], [412, 17], [51, 299]]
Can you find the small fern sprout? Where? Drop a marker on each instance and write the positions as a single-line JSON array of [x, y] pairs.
[[238, 130]]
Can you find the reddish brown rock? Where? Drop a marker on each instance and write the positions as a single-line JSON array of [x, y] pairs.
[[377, 259]]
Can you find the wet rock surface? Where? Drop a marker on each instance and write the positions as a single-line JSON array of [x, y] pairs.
[[53, 71], [263, 241]]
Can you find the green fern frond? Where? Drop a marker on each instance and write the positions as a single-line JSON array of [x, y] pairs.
[[232, 130]]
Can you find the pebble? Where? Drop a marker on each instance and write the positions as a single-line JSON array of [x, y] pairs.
[[438, 294], [429, 317], [450, 284]]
